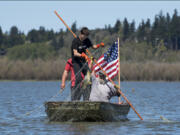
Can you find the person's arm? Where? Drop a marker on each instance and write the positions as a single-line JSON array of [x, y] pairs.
[[93, 76], [118, 94], [95, 46], [76, 53], [64, 77], [98, 45], [90, 64], [75, 47], [119, 100]]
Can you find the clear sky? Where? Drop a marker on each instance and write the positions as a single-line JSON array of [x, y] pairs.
[[93, 14]]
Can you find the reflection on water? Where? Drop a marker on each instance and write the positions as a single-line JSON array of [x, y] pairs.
[[157, 102]]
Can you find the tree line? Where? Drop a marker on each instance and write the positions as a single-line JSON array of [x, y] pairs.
[[164, 29]]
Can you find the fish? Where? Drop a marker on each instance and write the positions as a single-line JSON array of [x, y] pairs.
[[87, 80]]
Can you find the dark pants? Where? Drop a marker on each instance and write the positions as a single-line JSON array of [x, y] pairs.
[[77, 93], [86, 93], [78, 68]]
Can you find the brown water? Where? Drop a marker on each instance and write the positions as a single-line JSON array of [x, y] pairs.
[[151, 99]]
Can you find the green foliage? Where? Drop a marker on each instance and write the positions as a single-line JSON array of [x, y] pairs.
[[74, 27], [117, 26], [41, 35], [125, 29], [15, 37], [31, 51], [150, 40], [1, 37]]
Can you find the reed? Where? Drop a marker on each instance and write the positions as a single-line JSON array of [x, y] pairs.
[[150, 71], [52, 70], [31, 69]]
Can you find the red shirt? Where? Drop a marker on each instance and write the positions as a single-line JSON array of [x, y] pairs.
[[69, 67]]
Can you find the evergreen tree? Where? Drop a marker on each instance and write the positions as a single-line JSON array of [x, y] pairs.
[[54, 43], [162, 26], [33, 36], [109, 29], [167, 39], [154, 35], [132, 27], [61, 42], [132, 30], [174, 30], [15, 37], [125, 29], [42, 34], [61, 30], [1, 37], [148, 30], [50, 35], [141, 33], [106, 27], [74, 27], [117, 26]]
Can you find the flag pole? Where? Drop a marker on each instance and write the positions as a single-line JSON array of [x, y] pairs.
[[101, 68], [119, 73]]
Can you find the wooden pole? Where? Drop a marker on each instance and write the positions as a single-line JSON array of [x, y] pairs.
[[101, 69], [65, 24], [119, 73]]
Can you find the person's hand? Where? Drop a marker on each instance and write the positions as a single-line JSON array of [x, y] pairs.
[[120, 102], [101, 44], [62, 85], [116, 86], [83, 55]]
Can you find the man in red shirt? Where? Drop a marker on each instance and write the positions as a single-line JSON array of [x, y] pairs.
[[75, 93]]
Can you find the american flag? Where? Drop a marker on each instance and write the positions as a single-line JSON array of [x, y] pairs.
[[109, 61]]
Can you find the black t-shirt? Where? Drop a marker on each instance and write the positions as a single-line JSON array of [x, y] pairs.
[[80, 46]]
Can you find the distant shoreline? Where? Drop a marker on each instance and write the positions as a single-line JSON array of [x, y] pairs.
[[39, 70], [70, 80]]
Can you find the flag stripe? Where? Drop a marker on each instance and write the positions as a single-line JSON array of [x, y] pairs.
[[97, 68], [110, 65]]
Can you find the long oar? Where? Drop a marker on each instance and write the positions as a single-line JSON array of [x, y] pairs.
[[65, 24], [101, 68], [115, 86]]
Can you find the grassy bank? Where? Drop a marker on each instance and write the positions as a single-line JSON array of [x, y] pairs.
[[53, 69]]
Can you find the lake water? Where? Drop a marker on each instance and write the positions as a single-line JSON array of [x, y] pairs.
[[22, 110]]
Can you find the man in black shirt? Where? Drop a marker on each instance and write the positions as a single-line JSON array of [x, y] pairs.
[[78, 50]]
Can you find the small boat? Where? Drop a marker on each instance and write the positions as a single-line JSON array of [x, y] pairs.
[[78, 111]]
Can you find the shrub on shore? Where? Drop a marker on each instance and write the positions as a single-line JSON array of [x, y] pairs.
[[31, 51]]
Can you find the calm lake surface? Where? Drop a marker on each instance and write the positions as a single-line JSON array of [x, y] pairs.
[[22, 110]]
